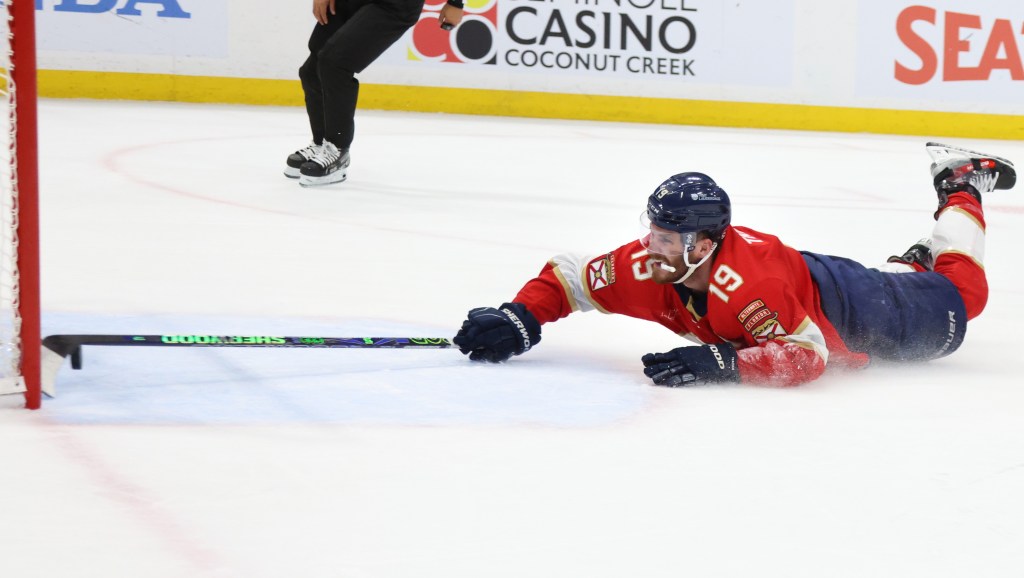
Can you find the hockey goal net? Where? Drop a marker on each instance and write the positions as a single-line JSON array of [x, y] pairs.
[[19, 254]]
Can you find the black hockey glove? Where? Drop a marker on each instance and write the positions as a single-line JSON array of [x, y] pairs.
[[692, 365], [495, 335]]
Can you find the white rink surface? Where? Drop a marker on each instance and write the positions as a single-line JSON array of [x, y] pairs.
[[166, 218]]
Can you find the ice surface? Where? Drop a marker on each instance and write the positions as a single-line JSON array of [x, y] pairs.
[[165, 218]]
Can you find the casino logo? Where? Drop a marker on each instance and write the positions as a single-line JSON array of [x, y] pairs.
[[473, 40]]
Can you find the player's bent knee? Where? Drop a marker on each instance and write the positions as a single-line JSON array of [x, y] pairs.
[[969, 278], [975, 297], [334, 64], [308, 73]]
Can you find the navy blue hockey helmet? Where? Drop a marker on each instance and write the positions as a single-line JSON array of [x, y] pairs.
[[690, 203]]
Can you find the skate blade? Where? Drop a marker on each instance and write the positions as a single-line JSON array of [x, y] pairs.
[[1006, 176], [335, 177], [292, 173], [940, 153]]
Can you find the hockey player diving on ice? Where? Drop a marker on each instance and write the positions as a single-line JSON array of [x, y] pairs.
[[762, 312]]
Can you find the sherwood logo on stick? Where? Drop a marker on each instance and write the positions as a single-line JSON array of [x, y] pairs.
[[58, 347], [210, 339]]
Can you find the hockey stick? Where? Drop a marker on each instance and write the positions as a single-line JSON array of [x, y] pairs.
[[65, 345], [57, 347]]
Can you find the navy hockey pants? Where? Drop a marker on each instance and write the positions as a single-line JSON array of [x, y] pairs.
[[895, 316]]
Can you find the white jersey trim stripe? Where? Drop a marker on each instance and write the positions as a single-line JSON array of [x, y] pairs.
[[571, 272]]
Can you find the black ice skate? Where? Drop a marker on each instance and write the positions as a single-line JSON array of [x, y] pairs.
[[920, 253], [956, 169], [297, 158], [328, 165]]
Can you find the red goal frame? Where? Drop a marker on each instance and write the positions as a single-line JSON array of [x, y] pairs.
[[23, 74]]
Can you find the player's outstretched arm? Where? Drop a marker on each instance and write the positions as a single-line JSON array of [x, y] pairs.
[[496, 334]]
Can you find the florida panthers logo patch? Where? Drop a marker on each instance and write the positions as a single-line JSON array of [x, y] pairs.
[[601, 272], [762, 323], [770, 329], [751, 308]]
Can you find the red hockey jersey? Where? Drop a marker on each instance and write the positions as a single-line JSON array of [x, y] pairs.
[[761, 299]]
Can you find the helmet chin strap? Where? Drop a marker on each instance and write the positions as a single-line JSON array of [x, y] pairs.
[[691, 268]]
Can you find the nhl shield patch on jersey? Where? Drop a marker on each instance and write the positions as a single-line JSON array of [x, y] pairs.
[[601, 272]]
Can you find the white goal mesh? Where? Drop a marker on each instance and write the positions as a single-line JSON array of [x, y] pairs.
[[10, 319]]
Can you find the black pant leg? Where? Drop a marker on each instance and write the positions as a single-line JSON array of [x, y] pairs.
[[311, 86], [361, 39]]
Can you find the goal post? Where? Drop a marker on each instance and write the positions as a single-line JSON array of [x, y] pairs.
[[20, 338]]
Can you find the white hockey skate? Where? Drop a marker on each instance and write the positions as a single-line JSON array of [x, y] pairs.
[[954, 169], [328, 165], [295, 160]]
